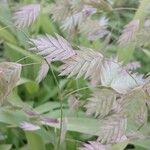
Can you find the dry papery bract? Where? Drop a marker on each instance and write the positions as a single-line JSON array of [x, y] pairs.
[[73, 103], [26, 15]]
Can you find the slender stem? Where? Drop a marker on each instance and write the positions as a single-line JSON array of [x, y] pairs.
[[61, 104], [124, 8], [4, 28], [80, 89], [59, 89], [30, 64], [22, 59]]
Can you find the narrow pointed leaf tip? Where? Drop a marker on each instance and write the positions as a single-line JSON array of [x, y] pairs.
[[29, 126], [92, 145], [48, 121], [26, 15]]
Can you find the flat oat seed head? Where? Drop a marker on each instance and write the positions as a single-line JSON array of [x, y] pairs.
[[100, 103], [113, 129], [44, 68], [52, 49], [60, 10], [86, 62], [77, 18], [26, 15], [9, 76], [129, 32], [98, 30]]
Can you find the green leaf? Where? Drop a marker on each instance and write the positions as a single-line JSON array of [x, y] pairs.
[[120, 146], [35, 142], [24, 52], [81, 125], [145, 143], [6, 35], [48, 106], [47, 25], [147, 52], [23, 81], [5, 147], [12, 117], [32, 87]]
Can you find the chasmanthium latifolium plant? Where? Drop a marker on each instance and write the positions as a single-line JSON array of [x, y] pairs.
[[120, 96]]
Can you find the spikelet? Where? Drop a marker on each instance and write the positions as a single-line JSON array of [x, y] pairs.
[[73, 103], [101, 102], [9, 76], [60, 10], [113, 129], [85, 63], [100, 4], [77, 18], [129, 33], [132, 66], [44, 68], [98, 30], [27, 15], [51, 48], [134, 103]]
